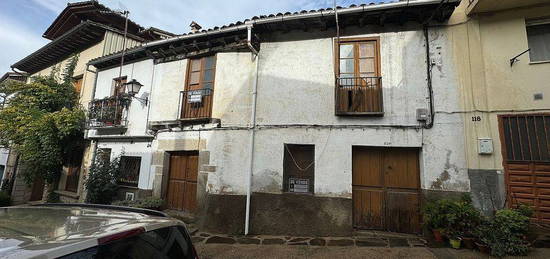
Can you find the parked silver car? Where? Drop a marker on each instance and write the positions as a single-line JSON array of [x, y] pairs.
[[91, 231]]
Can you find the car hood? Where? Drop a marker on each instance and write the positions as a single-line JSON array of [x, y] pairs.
[[38, 228]]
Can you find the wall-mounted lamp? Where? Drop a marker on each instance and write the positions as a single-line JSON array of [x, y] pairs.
[[515, 59], [133, 87]]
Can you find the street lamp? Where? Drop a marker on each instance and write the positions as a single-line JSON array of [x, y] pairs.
[[133, 88]]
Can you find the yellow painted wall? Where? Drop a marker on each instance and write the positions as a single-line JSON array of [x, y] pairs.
[[483, 45]]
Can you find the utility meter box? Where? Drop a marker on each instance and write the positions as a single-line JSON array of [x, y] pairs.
[[485, 146], [422, 115]]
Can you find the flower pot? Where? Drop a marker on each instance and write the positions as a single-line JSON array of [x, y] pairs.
[[438, 237], [468, 242], [483, 248], [455, 243]]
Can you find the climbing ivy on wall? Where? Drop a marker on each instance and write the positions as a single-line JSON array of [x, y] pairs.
[[43, 122]]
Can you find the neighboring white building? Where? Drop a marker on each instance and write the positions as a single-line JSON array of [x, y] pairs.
[[325, 133]]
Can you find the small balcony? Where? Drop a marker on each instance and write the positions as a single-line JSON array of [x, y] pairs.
[[359, 96], [110, 112], [196, 104]]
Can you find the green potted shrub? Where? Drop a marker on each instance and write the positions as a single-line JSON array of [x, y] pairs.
[[505, 233], [483, 237], [435, 217], [467, 218], [462, 217]]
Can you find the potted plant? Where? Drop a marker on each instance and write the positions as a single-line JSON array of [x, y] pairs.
[[484, 236], [435, 217], [483, 247], [505, 233], [455, 238], [462, 218], [470, 219]]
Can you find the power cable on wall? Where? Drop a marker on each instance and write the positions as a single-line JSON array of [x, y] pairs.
[[494, 111], [315, 159], [306, 126]]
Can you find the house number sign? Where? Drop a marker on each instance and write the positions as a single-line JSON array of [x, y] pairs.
[[298, 185]]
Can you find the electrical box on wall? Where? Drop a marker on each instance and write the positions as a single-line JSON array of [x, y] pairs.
[[485, 146], [422, 115]]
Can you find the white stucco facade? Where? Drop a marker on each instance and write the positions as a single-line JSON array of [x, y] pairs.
[[133, 139], [295, 105], [137, 149]]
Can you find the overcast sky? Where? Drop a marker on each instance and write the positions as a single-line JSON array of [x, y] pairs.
[[22, 22]]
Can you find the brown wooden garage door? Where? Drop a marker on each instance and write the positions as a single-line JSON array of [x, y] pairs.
[[182, 183], [386, 189], [525, 140]]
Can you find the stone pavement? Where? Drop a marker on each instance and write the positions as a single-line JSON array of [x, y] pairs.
[[360, 239], [234, 251]]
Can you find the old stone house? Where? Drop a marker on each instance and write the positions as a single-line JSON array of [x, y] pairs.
[[81, 32], [296, 123]]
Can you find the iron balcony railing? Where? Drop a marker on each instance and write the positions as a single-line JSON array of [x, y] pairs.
[[359, 96], [108, 112], [196, 104]]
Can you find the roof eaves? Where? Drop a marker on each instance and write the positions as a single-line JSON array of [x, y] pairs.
[[265, 19], [65, 36], [92, 3], [299, 15]]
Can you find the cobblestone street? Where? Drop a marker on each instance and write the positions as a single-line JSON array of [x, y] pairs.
[[364, 244], [360, 239], [230, 251], [211, 251]]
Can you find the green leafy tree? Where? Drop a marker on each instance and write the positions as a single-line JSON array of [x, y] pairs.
[[43, 122]]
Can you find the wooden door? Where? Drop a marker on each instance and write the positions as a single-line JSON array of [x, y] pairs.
[[182, 182], [78, 85], [197, 100], [386, 189], [37, 190], [525, 141]]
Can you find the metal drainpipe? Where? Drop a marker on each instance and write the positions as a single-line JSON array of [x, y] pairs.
[[429, 78], [252, 133]]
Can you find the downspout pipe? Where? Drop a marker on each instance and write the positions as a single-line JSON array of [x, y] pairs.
[[430, 124], [252, 133], [249, 41]]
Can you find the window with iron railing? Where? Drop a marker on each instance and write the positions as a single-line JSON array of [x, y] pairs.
[[526, 137], [358, 82], [196, 100], [110, 111], [129, 166]]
